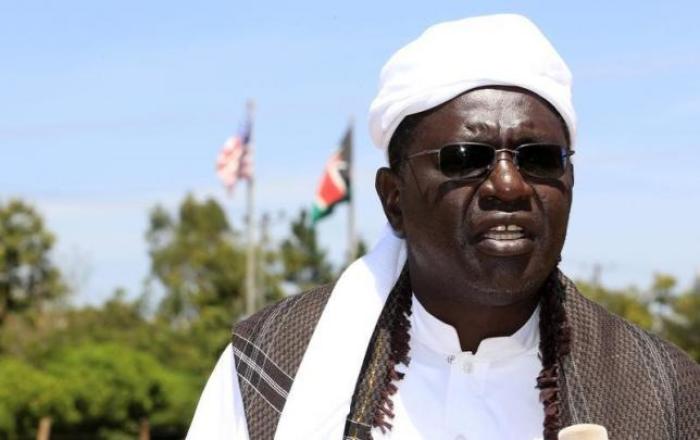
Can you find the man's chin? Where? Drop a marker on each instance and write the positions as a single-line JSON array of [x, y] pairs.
[[509, 281], [510, 269]]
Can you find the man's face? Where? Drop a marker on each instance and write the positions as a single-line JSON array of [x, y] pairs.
[[454, 229]]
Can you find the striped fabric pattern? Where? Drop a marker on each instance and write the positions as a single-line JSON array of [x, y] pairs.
[[260, 372], [267, 350]]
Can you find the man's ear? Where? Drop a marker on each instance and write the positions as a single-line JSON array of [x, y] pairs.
[[388, 186]]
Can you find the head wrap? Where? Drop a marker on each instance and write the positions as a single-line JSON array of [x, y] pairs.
[[451, 58]]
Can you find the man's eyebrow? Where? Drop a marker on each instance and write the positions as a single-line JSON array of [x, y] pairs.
[[527, 131], [532, 132]]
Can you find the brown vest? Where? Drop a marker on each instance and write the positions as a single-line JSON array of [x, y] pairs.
[[633, 383]]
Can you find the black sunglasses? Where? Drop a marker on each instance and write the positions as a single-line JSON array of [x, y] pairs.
[[469, 160]]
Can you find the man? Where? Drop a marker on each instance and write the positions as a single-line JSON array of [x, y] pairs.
[[458, 323]]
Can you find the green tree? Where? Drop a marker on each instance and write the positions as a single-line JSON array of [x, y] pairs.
[[81, 352], [197, 259], [113, 388], [116, 320], [662, 288], [28, 394], [304, 263], [28, 277]]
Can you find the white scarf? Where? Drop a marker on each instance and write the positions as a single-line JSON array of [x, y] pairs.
[[319, 400]]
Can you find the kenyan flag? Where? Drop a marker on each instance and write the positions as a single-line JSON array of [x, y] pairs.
[[335, 182]]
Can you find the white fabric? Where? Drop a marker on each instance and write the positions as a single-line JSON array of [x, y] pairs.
[[437, 399], [451, 58], [320, 397], [450, 394], [219, 414]]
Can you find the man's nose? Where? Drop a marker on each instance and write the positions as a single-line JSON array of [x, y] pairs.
[[504, 182]]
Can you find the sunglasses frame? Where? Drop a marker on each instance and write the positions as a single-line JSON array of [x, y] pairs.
[[565, 155]]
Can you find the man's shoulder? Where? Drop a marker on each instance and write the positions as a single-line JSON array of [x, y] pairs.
[[590, 320], [268, 348], [643, 383], [296, 314], [595, 326]]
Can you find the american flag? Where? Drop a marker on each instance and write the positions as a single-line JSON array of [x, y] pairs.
[[235, 160]]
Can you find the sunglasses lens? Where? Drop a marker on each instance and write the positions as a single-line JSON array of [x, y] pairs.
[[541, 160], [464, 161]]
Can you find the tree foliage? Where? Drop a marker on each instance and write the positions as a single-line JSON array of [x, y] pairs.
[[98, 371], [305, 264], [196, 257], [28, 277], [113, 386], [97, 390], [26, 395]]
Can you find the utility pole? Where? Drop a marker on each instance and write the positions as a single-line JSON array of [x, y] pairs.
[[250, 209], [597, 274]]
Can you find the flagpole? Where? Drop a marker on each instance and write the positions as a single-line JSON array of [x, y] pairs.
[[263, 242], [352, 239], [250, 209]]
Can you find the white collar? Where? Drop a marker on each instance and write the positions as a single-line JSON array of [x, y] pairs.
[[442, 338]]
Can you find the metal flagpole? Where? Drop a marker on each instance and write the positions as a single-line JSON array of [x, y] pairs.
[[250, 295], [263, 242], [352, 239]]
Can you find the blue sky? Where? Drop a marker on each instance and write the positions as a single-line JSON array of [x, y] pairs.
[[107, 108]]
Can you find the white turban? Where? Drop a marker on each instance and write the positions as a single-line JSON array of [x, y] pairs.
[[451, 58]]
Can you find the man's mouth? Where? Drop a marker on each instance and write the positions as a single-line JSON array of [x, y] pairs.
[[505, 240], [505, 232]]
